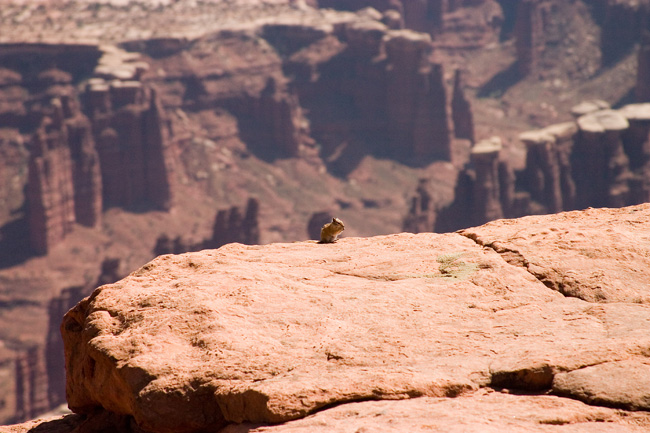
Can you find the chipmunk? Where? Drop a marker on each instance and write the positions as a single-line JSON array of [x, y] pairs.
[[331, 231]]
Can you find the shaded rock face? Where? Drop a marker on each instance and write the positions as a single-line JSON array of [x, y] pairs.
[[529, 35], [642, 87], [316, 223], [462, 24], [354, 87], [484, 190], [64, 184], [54, 379], [50, 194], [230, 225], [422, 214], [616, 40], [31, 384], [105, 146], [133, 144], [271, 123], [461, 110], [548, 174], [427, 315]]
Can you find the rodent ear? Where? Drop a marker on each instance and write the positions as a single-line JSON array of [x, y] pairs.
[[334, 219]]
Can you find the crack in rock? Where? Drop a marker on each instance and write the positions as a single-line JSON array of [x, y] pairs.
[[515, 258]]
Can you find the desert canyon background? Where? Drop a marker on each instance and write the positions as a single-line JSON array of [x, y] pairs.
[[133, 129]]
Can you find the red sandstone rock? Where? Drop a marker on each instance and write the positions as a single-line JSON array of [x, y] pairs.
[[595, 260], [480, 412], [561, 160], [135, 152], [548, 173], [416, 99], [200, 340], [529, 34], [50, 190], [621, 384], [170, 47], [31, 384], [487, 190], [64, 184]]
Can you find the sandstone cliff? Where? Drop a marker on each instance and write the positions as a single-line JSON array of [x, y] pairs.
[[558, 175], [107, 146], [504, 326]]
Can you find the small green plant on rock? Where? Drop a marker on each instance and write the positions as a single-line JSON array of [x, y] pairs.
[[452, 267]]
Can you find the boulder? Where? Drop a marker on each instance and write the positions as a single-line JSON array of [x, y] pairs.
[[275, 333], [622, 384]]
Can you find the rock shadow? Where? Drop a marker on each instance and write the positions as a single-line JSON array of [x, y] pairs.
[[628, 98], [62, 425], [345, 158], [14, 243], [501, 82]]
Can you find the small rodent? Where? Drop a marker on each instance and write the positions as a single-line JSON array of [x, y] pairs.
[[331, 231]]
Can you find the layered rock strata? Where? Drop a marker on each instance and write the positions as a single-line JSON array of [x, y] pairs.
[[108, 145], [353, 86], [559, 172], [31, 384], [453, 23], [461, 110], [133, 144], [529, 35], [230, 225]]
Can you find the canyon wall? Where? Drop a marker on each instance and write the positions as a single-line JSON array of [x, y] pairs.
[[353, 87], [457, 23], [31, 383], [88, 127], [529, 35], [64, 183], [98, 133], [230, 225], [106, 145], [559, 173]]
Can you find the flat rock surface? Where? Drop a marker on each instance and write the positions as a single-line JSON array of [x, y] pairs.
[[280, 332], [598, 255]]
